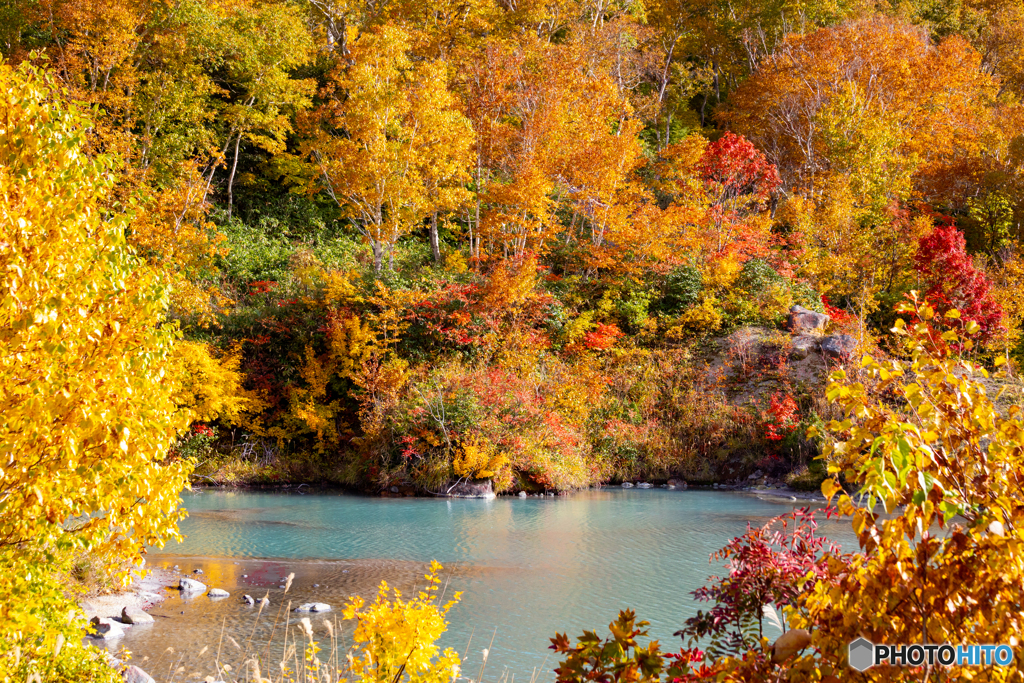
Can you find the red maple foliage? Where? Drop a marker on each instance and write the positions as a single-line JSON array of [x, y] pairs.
[[603, 337], [781, 417], [734, 168], [952, 280]]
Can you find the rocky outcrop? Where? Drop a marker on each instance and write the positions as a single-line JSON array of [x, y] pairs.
[[803, 345], [802, 320], [838, 347]]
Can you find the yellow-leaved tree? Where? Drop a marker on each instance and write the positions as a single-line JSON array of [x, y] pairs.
[[389, 143], [87, 415]]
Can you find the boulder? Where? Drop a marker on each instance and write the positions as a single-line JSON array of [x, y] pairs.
[[133, 674], [134, 615], [802, 346], [802, 320], [106, 629], [677, 484], [248, 599], [191, 586], [313, 607], [789, 643], [644, 485], [838, 347], [627, 485], [218, 593]]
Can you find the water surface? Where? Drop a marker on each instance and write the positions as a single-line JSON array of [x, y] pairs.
[[527, 568]]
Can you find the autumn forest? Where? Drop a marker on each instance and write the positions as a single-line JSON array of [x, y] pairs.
[[536, 245]]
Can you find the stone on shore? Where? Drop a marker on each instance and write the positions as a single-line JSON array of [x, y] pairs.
[[106, 629], [313, 607], [134, 615], [191, 586], [133, 674], [472, 488], [218, 593]]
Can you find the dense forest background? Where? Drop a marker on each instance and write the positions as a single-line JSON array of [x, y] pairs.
[[413, 243]]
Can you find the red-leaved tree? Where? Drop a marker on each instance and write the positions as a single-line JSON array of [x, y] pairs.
[[952, 281]]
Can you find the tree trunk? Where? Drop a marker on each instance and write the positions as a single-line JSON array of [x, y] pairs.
[[378, 255], [435, 242], [231, 179]]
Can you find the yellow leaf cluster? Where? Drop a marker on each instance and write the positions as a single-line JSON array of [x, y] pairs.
[[396, 639], [87, 406]]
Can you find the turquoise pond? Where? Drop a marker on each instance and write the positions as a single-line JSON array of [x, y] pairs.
[[527, 568]]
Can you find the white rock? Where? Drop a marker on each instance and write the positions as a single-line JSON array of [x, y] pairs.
[[218, 593], [247, 599], [191, 586], [313, 607], [644, 485], [522, 494], [106, 629], [627, 485], [133, 674]]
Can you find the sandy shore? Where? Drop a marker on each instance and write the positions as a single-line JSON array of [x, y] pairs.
[[145, 593]]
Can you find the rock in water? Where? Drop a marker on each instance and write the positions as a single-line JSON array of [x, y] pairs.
[[838, 346], [191, 586], [247, 599], [314, 607], [627, 485], [218, 593], [522, 494], [264, 601], [106, 629], [677, 484], [803, 320], [133, 674], [134, 615], [644, 485]]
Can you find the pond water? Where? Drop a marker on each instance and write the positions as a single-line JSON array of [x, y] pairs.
[[527, 568]]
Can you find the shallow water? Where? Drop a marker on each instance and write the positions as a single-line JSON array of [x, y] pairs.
[[527, 568]]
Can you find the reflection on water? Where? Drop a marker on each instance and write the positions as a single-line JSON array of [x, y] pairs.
[[526, 567]]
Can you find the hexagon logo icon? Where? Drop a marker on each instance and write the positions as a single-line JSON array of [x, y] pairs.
[[862, 654]]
